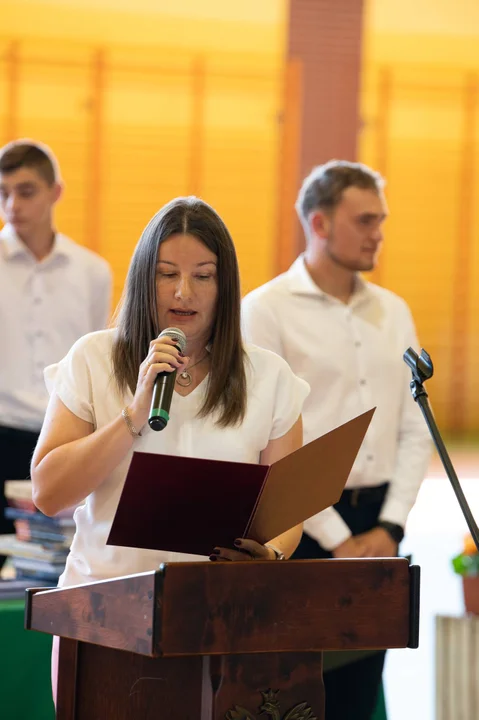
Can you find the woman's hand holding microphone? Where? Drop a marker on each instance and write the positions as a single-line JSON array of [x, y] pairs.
[[163, 356]]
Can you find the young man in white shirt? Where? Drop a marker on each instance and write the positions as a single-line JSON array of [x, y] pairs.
[[52, 291], [346, 337]]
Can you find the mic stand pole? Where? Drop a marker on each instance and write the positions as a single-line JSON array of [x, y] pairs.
[[422, 369]]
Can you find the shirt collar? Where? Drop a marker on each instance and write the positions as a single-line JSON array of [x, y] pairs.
[[301, 283], [14, 247]]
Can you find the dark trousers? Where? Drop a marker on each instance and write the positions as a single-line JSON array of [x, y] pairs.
[[16, 450], [351, 690]]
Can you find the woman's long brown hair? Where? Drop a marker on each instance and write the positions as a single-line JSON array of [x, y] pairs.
[[137, 320]]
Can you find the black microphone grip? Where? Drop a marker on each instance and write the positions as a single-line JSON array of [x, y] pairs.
[[165, 384], [161, 400]]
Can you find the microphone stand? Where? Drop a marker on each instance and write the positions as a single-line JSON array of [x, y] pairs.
[[422, 369]]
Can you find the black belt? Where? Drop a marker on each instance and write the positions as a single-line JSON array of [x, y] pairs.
[[7, 432], [364, 495]]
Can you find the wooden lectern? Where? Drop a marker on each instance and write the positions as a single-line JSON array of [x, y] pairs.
[[220, 641]]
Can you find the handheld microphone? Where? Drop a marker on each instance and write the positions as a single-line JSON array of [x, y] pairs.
[[165, 384]]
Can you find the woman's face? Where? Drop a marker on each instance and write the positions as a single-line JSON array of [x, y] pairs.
[[187, 287]]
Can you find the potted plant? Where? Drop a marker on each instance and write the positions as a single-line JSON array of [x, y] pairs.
[[466, 564]]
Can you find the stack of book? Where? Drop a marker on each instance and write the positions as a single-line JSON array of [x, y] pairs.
[[40, 546]]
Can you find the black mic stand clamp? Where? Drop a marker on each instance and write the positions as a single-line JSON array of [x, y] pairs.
[[422, 369]]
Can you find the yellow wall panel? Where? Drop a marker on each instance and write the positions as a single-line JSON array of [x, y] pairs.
[[175, 24], [53, 107], [420, 107], [472, 359], [439, 18], [143, 101]]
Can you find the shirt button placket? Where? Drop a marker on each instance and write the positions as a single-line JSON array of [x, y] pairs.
[[38, 337], [363, 390]]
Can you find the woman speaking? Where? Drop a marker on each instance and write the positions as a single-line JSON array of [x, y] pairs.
[[230, 402]]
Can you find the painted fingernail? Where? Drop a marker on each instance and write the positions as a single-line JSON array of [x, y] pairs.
[[213, 558], [238, 543]]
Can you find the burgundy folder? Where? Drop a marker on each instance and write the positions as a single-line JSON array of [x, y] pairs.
[[192, 505]]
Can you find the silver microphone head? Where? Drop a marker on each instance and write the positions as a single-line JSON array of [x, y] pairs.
[[177, 335]]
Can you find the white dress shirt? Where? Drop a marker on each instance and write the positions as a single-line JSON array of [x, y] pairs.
[[352, 357], [45, 306], [83, 381]]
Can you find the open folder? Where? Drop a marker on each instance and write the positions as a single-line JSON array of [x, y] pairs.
[[191, 505]]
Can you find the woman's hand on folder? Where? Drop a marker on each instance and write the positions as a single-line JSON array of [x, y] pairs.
[[244, 550]]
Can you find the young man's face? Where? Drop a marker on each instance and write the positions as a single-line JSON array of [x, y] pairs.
[[353, 232], [27, 200]]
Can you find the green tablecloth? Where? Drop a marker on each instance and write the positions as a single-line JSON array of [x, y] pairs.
[[380, 712], [25, 685]]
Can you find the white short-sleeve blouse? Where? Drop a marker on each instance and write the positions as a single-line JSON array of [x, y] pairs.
[[83, 381]]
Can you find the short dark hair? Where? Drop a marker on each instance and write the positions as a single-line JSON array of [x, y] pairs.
[[323, 188], [28, 154], [138, 321]]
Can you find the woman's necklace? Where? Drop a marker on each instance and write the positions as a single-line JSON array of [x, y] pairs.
[[184, 379]]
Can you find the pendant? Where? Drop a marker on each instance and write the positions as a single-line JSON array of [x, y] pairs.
[[184, 379]]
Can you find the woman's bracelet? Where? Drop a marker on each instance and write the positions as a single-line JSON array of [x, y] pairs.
[[131, 428]]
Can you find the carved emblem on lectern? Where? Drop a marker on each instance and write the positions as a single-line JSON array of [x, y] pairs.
[[270, 706]]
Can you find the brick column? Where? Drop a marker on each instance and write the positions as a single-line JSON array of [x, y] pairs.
[[325, 36]]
